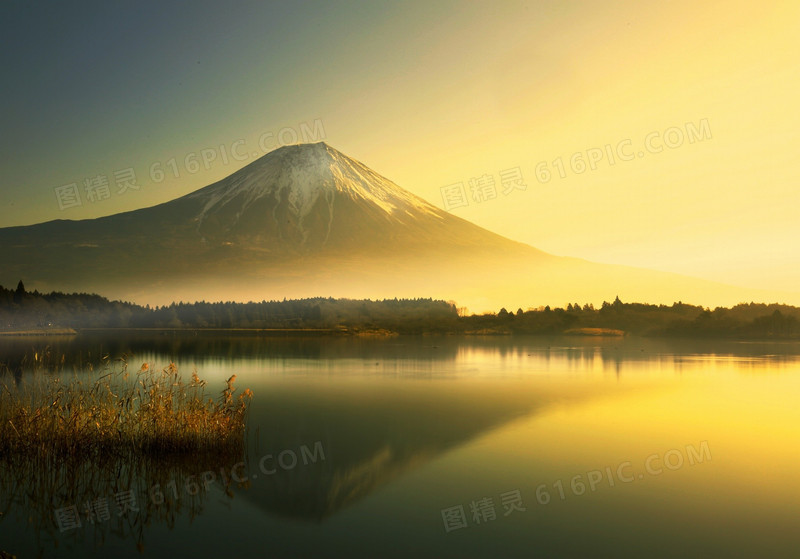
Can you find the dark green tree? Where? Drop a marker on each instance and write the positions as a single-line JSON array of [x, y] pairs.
[[19, 294]]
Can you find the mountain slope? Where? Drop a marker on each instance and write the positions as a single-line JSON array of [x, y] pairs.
[[307, 220]]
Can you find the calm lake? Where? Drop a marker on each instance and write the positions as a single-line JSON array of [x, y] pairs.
[[450, 447]]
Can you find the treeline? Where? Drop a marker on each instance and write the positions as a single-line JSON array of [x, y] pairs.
[[743, 321], [22, 310]]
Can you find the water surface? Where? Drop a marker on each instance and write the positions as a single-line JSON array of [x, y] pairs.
[[552, 447]]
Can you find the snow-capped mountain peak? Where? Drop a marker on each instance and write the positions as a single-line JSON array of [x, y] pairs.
[[305, 178]]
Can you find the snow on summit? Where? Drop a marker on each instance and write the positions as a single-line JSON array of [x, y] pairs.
[[301, 175]]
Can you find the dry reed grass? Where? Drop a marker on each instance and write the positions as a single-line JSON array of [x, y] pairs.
[[71, 441], [146, 412]]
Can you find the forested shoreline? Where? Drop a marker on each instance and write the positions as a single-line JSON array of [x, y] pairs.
[[21, 310]]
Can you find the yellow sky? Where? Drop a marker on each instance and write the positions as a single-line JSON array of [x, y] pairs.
[[722, 208], [433, 94]]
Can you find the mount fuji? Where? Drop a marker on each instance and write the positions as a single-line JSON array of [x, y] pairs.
[[306, 220]]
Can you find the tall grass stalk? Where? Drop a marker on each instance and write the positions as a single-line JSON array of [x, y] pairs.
[[146, 412]]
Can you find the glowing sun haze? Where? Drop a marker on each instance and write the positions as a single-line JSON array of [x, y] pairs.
[[431, 94]]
